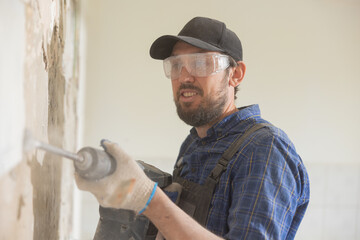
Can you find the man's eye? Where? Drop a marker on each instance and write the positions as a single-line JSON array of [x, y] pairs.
[[199, 64], [176, 66]]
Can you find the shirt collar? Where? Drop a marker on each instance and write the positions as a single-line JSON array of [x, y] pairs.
[[227, 123]]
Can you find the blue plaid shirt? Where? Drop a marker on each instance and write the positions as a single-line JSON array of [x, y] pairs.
[[264, 192]]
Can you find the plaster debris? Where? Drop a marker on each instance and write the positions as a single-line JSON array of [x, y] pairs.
[[36, 188]]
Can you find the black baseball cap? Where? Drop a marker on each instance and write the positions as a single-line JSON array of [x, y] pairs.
[[205, 33]]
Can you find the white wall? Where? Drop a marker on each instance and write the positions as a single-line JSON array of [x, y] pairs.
[[302, 59], [11, 83]]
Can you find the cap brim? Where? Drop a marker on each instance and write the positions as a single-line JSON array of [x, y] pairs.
[[163, 46]]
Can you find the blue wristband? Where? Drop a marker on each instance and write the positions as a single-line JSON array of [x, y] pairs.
[[150, 198]]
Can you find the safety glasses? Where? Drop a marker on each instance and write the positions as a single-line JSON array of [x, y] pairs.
[[197, 64]]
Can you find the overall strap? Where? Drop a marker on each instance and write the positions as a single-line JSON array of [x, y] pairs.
[[221, 166]]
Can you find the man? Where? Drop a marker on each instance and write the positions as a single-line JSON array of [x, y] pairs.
[[241, 176]]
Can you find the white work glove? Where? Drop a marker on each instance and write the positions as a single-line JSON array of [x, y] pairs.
[[127, 188]]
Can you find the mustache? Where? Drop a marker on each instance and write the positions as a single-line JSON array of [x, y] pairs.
[[189, 86]]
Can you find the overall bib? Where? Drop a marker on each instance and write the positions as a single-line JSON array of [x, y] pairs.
[[195, 199]]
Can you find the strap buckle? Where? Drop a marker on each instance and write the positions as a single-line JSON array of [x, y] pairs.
[[219, 169]]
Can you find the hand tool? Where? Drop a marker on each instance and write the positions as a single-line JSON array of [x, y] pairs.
[[95, 164], [90, 163]]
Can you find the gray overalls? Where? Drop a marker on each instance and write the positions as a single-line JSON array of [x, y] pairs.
[[195, 200]]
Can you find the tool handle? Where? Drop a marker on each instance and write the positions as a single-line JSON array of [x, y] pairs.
[[97, 164]]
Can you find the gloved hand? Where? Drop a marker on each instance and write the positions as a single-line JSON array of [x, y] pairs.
[[127, 188]]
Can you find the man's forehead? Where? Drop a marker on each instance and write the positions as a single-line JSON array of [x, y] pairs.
[[184, 48]]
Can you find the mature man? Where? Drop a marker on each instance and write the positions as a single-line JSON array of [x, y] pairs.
[[241, 176]]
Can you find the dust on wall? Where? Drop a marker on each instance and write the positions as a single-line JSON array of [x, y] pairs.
[[36, 195]]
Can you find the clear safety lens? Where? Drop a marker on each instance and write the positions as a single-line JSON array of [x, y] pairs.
[[197, 64]]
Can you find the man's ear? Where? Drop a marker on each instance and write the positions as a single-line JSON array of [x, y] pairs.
[[238, 74]]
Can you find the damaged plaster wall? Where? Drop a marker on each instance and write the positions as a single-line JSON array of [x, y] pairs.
[[36, 193]]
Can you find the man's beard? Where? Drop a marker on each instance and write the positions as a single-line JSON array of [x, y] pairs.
[[209, 109]]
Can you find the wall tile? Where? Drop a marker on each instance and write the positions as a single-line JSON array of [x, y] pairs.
[[312, 224], [340, 223], [318, 175], [343, 185]]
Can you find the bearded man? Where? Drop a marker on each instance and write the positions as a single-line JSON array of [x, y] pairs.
[[241, 176]]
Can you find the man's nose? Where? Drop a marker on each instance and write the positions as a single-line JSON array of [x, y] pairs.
[[185, 76]]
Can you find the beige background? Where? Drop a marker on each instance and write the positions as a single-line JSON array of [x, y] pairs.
[[302, 60]]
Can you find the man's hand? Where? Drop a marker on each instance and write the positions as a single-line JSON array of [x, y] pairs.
[[128, 187]]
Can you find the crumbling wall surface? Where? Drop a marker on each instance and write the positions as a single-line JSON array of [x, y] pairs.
[[36, 195]]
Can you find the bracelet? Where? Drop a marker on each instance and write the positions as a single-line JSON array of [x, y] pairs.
[[151, 197]]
